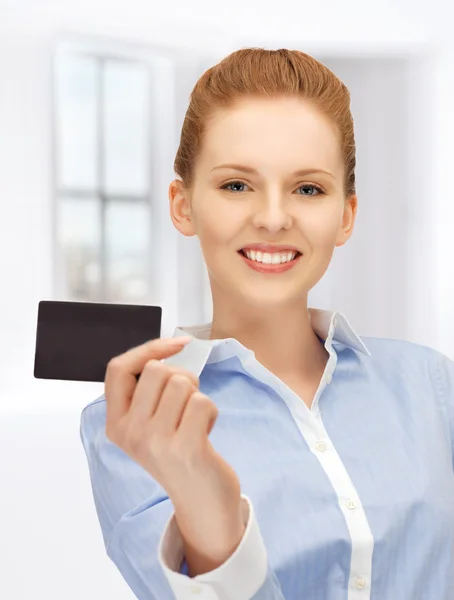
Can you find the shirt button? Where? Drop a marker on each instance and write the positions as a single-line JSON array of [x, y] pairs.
[[195, 589], [320, 446], [360, 583], [351, 505]]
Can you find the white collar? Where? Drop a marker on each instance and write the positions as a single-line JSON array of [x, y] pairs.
[[330, 326]]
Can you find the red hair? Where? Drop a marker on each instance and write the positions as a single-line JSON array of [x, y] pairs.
[[255, 72]]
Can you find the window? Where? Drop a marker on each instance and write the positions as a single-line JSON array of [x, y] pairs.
[[102, 178]]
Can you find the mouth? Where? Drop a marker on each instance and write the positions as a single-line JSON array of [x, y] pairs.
[[275, 262], [270, 258]]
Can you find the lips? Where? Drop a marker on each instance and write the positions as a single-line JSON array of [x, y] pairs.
[[270, 248], [271, 267]]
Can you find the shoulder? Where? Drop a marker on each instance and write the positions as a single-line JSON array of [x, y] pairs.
[[95, 406], [390, 348], [413, 360], [93, 419], [393, 345]]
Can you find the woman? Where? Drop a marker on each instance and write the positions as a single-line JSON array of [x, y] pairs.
[[329, 473]]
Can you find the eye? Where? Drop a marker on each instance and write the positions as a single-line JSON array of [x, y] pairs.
[[237, 186], [233, 186], [310, 187]]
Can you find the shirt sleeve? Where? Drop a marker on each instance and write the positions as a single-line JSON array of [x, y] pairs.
[[141, 536], [445, 388], [245, 575]]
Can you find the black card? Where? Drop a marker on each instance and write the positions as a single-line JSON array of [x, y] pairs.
[[76, 340]]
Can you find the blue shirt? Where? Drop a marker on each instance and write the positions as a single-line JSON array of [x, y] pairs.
[[352, 499]]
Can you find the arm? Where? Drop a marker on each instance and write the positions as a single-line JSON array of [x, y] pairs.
[[141, 536], [245, 575], [208, 545]]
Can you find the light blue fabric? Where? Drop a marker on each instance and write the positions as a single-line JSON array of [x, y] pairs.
[[389, 413]]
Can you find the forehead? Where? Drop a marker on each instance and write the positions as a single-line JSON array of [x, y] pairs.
[[286, 133]]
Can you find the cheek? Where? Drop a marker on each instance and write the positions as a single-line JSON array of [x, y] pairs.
[[320, 227], [219, 224], [214, 240]]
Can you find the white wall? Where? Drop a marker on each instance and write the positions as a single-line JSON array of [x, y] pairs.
[[50, 542]]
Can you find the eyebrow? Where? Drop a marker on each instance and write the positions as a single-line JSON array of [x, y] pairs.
[[300, 172]]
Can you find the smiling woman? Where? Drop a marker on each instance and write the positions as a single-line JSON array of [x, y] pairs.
[[342, 446], [269, 167]]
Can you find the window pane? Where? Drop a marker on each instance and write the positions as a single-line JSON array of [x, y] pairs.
[[79, 233], [126, 122], [76, 121], [128, 250]]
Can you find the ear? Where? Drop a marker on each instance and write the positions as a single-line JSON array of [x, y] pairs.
[[180, 208], [348, 220]]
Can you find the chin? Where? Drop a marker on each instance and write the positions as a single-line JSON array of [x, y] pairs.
[[271, 297]]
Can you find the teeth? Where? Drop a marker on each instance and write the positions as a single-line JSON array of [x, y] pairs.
[[265, 257]]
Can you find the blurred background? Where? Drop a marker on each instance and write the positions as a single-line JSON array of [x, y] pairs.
[[92, 98]]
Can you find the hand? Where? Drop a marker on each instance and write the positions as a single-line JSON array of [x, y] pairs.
[[163, 421]]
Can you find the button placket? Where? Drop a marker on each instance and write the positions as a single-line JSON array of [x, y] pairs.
[[195, 589], [360, 583], [201, 591], [351, 504], [321, 446]]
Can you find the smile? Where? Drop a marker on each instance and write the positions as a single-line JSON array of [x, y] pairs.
[[266, 262]]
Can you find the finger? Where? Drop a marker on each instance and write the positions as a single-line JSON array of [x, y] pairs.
[[171, 406], [174, 370], [120, 380], [152, 383], [198, 418]]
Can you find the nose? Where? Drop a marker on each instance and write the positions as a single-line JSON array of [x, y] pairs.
[[271, 212]]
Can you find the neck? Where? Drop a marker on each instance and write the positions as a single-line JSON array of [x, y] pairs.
[[282, 339]]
